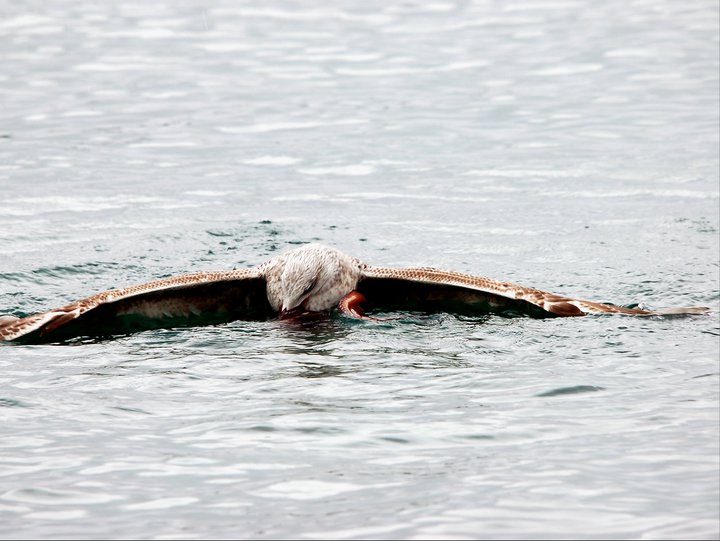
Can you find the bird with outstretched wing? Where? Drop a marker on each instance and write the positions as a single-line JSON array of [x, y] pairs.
[[309, 280]]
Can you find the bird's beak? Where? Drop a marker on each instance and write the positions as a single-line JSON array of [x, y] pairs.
[[292, 313]]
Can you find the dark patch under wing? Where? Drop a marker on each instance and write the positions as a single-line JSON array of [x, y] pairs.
[[390, 294]]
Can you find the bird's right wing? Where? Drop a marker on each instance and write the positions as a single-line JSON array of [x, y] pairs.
[[191, 299], [435, 289]]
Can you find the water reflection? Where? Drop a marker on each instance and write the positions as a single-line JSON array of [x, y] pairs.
[[319, 370], [313, 336]]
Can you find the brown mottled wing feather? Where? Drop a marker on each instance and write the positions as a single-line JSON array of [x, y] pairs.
[[438, 289], [203, 297]]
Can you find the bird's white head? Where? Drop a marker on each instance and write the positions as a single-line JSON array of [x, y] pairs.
[[311, 278]]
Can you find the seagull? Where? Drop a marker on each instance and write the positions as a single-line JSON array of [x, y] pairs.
[[309, 281]]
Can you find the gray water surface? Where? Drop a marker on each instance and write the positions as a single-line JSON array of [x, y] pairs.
[[570, 146]]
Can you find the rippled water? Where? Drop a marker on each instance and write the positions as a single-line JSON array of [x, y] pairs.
[[571, 145]]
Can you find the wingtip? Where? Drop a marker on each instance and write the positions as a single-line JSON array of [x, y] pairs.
[[13, 328], [683, 311]]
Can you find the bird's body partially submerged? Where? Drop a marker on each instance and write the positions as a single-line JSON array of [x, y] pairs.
[[310, 279]]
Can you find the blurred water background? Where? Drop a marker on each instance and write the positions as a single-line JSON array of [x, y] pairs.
[[569, 145]]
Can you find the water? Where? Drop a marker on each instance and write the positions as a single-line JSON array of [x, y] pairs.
[[571, 146]]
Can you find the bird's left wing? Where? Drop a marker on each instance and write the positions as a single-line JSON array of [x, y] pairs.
[[426, 288], [191, 299]]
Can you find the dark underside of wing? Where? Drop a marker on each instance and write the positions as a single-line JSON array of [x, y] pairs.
[[191, 305], [397, 294]]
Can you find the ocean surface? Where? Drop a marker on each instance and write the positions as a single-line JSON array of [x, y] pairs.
[[568, 145]]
